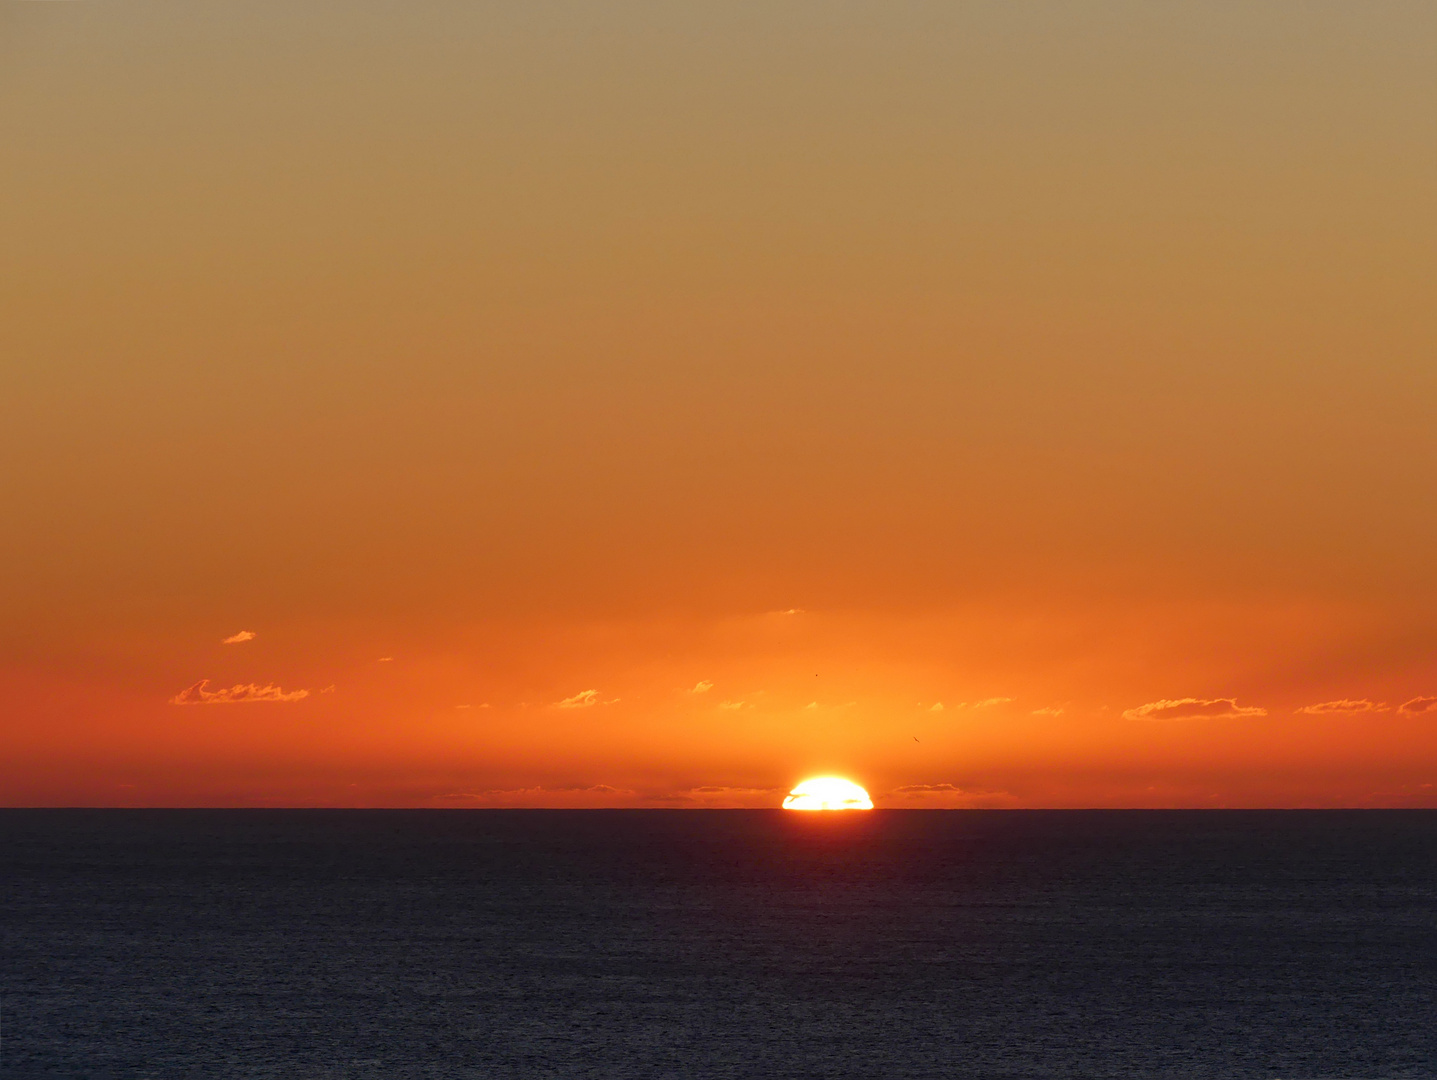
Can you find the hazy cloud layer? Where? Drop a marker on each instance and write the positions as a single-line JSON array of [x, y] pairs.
[[946, 796], [720, 796], [591, 795], [1189, 708], [542, 796], [239, 694]]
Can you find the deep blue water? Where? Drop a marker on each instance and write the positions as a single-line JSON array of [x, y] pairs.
[[427, 944]]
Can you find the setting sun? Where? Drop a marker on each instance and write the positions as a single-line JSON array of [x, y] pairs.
[[828, 793]]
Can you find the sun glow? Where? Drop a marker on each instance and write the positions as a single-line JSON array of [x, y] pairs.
[[828, 793]]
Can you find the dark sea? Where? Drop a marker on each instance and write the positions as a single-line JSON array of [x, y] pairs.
[[319, 944]]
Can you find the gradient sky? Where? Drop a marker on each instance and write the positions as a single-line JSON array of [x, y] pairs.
[[649, 403]]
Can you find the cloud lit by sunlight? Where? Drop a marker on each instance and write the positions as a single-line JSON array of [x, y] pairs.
[[584, 699], [1193, 709], [240, 694], [1342, 707]]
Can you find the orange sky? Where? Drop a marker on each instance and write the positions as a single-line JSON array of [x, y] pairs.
[[753, 377]]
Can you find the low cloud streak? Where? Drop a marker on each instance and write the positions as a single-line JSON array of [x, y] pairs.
[[583, 699], [1190, 708], [239, 694], [1342, 707]]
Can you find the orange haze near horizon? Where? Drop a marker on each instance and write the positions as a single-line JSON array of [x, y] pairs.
[[649, 405]]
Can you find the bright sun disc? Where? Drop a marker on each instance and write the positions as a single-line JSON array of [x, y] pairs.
[[828, 793]]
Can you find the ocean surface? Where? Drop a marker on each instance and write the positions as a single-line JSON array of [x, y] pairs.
[[317, 944]]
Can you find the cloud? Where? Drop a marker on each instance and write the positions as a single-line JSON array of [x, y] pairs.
[[703, 686], [239, 694], [539, 796], [1049, 710], [937, 706], [731, 704], [583, 700], [811, 705], [1190, 708], [715, 795], [986, 702], [1418, 706], [235, 639], [1341, 707], [948, 796], [384, 660]]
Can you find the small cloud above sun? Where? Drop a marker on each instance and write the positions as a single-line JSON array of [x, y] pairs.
[[243, 693], [1192, 708], [584, 699]]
